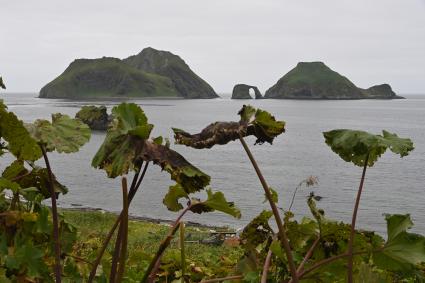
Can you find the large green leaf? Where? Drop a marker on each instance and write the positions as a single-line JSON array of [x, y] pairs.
[[63, 134], [125, 138], [403, 250], [171, 199], [253, 122], [354, 146], [30, 258], [14, 170], [216, 201], [19, 141], [6, 184], [126, 146]]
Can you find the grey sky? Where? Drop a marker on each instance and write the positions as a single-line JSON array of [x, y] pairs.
[[224, 41]]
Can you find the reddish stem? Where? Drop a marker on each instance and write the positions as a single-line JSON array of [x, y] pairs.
[[283, 237], [154, 264], [108, 238], [124, 237], [353, 225], [58, 267], [266, 267], [308, 255]]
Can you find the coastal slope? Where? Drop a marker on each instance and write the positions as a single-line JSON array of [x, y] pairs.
[[164, 63], [315, 80], [106, 77], [160, 75]]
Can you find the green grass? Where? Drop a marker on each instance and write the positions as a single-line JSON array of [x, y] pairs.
[[202, 260]]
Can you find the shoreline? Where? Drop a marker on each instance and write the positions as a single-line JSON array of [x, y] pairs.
[[145, 218]]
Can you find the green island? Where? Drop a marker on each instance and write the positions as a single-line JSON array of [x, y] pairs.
[[151, 73], [315, 80], [95, 117]]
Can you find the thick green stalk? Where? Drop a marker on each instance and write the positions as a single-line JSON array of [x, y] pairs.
[[353, 225], [282, 233], [56, 239]]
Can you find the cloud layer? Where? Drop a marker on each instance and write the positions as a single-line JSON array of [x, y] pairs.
[[224, 41]]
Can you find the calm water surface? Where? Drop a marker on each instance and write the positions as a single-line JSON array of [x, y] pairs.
[[393, 185]]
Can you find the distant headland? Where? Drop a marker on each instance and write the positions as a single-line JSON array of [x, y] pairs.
[[151, 73]]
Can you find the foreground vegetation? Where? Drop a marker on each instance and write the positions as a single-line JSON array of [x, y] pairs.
[[203, 260], [40, 244]]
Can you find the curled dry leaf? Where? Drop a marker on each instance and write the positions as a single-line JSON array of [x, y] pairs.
[[253, 122], [191, 178]]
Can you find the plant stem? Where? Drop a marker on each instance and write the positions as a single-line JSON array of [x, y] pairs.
[[294, 194], [58, 267], [182, 253], [119, 242], [353, 225], [133, 190], [124, 238], [154, 264], [266, 267], [320, 264], [234, 277], [108, 238], [117, 252], [308, 255], [283, 237], [332, 259]]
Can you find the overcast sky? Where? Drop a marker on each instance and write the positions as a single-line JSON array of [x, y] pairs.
[[224, 41]]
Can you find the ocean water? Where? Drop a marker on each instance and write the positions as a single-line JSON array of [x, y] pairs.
[[393, 185]]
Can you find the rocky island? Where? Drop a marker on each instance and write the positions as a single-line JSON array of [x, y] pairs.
[[315, 80], [151, 73], [96, 118], [241, 91]]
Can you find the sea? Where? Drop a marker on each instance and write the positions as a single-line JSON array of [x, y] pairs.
[[393, 185]]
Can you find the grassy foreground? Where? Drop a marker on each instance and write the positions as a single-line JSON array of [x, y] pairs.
[[202, 260]]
